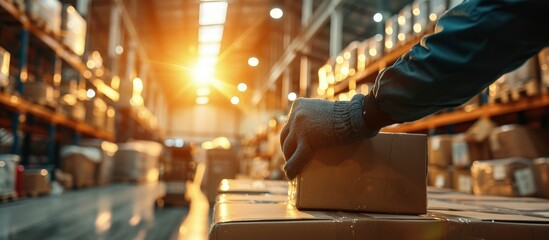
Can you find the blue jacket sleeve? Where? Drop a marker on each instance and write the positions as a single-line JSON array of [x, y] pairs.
[[474, 44]]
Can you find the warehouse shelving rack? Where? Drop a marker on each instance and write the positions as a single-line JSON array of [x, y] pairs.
[[447, 119], [26, 115]]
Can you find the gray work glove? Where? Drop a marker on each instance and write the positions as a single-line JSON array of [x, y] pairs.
[[314, 124]]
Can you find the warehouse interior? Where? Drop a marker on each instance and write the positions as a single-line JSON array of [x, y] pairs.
[[138, 119]]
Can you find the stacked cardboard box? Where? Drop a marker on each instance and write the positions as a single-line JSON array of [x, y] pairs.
[[449, 216], [440, 161], [420, 12], [81, 163], [39, 92], [544, 67], [541, 167], [504, 177], [35, 182], [46, 14], [74, 29], [517, 141], [96, 110], [405, 25], [391, 33], [105, 164]]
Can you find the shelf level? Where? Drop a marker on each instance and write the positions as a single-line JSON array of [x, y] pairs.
[[485, 111], [71, 58], [19, 104]]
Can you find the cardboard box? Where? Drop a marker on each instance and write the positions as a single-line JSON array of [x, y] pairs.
[[391, 33], [504, 177], [440, 177], [436, 9], [440, 150], [135, 166], [46, 14], [175, 170], [4, 67], [544, 69], [273, 187], [105, 169], [363, 55], [385, 174], [35, 182], [8, 164], [74, 29], [462, 180], [420, 12], [524, 79], [466, 150], [375, 48], [81, 168], [541, 167], [39, 92], [282, 221], [405, 25], [96, 110], [516, 141]]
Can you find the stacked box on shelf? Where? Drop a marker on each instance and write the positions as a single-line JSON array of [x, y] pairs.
[[39, 92], [8, 164], [68, 102], [405, 25], [74, 30], [362, 55], [504, 177], [4, 68], [436, 9], [348, 66], [517, 141], [454, 3], [541, 168], [391, 33], [46, 14], [517, 83], [544, 69], [420, 11], [440, 161], [375, 48], [466, 150], [96, 109]]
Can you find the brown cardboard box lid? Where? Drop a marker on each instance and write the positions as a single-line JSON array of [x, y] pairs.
[[485, 216], [252, 198], [246, 212]]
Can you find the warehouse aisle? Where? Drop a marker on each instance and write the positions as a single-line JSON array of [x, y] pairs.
[[120, 211]]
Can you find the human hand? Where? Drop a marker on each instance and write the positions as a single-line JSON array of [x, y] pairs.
[[314, 124]]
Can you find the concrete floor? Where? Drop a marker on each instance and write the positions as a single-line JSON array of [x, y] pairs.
[[120, 211]]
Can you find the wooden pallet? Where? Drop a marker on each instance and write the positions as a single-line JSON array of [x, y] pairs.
[[8, 197]]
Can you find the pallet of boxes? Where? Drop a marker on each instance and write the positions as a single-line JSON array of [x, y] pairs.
[[8, 176], [137, 162], [79, 166], [373, 189]]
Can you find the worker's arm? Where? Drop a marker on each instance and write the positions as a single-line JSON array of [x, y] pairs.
[[474, 44]]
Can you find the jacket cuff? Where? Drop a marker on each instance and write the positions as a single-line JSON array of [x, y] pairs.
[[349, 124], [374, 118]]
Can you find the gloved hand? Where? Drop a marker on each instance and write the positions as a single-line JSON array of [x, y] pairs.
[[314, 124]]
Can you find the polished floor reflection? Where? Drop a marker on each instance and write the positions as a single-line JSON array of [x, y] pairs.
[[121, 211]]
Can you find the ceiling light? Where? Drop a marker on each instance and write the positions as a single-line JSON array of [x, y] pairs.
[[235, 100], [207, 60], [242, 87], [276, 13], [203, 91], [203, 74], [378, 17], [253, 61], [119, 50], [292, 96], [212, 13], [90, 93], [202, 100], [208, 48], [210, 33]]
